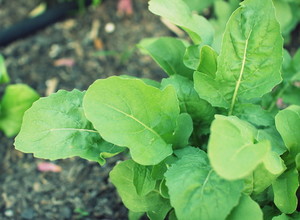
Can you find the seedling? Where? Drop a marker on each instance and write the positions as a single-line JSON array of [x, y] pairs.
[[205, 143]]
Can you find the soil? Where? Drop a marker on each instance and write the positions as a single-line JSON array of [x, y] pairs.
[[82, 189]]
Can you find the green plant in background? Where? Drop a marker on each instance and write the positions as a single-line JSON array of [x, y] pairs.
[[287, 12], [16, 100], [208, 142]]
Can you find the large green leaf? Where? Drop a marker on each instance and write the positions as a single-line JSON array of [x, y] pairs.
[[4, 78], [247, 209], [250, 58], [16, 100], [232, 149], [168, 53], [285, 188], [288, 124], [55, 127], [197, 192], [122, 176], [179, 13], [129, 113]]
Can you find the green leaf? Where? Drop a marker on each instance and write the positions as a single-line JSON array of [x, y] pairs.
[[142, 180], [294, 216], [254, 114], [285, 188], [265, 174], [284, 15], [55, 127], [168, 54], [199, 6], [122, 176], [246, 209], [288, 124], [129, 113], [291, 95], [4, 78], [197, 192], [208, 61], [189, 101], [183, 131], [270, 211], [178, 12], [16, 100], [250, 58], [232, 149], [191, 58], [135, 215], [202, 58], [273, 136]]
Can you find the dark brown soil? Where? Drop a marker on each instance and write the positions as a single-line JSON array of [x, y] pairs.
[[82, 189]]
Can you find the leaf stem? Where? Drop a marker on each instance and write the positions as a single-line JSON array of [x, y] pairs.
[[238, 83]]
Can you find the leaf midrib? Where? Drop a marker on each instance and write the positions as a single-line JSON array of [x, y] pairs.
[[238, 83], [135, 119]]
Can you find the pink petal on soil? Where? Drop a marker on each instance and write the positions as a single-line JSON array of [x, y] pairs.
[[125, 7], [69, 62], [48, 167]]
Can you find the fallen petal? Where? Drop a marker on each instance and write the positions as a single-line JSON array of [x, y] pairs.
[[48, 167]]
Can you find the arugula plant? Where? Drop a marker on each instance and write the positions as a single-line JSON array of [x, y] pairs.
[[207, 142], [15, 101]]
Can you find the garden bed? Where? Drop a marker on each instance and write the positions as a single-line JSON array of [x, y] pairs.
[[82, 189]]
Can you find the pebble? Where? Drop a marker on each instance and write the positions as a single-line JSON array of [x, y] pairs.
[[9, 213], [65, 212], [110, 27], [28, 213]]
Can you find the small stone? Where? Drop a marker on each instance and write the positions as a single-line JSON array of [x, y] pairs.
[[28, 213], [110, 27], [9, 213], [65, 212]]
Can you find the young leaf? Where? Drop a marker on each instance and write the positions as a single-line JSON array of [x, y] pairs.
[[16, 100], [183, 131], [265, 174], [122, 176], [189, 101], [250, 58], [129, 113], [177, 11], [232, 148], [288, 124], [168, 54], [142, 180], [4, 78], [202, 58], [285, 188], [246, 209], [55, 128], [197, 192]]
